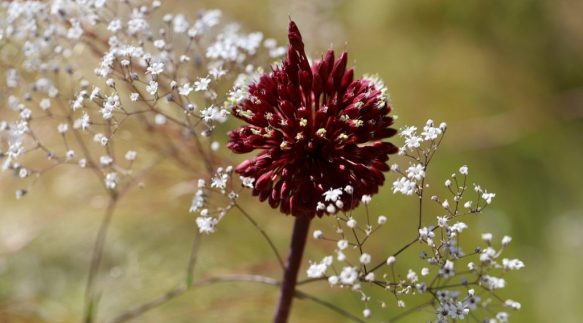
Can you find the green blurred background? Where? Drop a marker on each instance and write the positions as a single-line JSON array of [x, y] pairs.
[[507, 76]]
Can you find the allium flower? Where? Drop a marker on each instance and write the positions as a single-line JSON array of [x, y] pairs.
[[317, 129]]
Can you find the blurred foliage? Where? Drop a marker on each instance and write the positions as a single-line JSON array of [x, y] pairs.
[[507, 76]]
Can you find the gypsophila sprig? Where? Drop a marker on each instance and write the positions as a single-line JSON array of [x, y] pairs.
[[457, 281], [168, 79]]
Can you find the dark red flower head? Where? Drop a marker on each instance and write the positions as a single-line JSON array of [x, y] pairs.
[[318, 129]]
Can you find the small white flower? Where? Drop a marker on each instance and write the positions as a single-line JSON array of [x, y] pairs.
[[219, 181], [492, 282], [152, 87], [506, 241], [131, 155], [342, 244], [348, 275], [447, 270], [332, 194], [159, 43], [404, 186], [185, 89], [488, 197], [247, 181], [366, 199], [340, 255], [488, 255], [369, 277], [206, 224], [426, 233], [70, 154], [430, 132], [512, 264], [365, 259], [202, 84], [445, 204], [487, 237], [382, 219], [95, 93], [111, 180], [459, 227], [416, 172], [160, 119], [391, 260], [464, 170], [366, 313], [63, 128], [318, 270], [412, 276], [408, 131], [330, 209], [110, 82], [349, 189], [105, 160], [333, 280], [512, 304], [45, 104], [502, 317], [351, 223], [114, 26], [442, 221], [413, 142], [83, 122], [318, 234]]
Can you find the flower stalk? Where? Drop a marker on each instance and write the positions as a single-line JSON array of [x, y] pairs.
[[294, 260]]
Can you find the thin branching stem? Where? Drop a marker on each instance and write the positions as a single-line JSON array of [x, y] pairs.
[[97, 254], [410, 311], [263, 233], [182, 289]]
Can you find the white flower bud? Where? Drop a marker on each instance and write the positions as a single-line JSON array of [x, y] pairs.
[[318, 234]]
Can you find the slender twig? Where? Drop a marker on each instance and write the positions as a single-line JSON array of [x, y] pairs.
[[302, 295], [410, 311], [97, 254], [192, 260], [405, 247], [420, 222], [263, 233], [141, 309], [180, 290]]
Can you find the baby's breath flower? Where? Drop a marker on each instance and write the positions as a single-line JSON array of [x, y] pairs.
[[391, 260], [365, 259], [318, 234], [206, 224], [464, 170], [111, 180], [381, 219]]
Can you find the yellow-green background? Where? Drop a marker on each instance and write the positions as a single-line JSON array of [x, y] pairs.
[[507, 76]]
